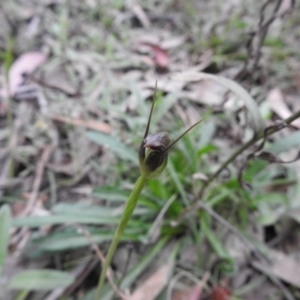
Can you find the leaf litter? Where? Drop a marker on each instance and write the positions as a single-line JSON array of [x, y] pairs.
[[74, 101]]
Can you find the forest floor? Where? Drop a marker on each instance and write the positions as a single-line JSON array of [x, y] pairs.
[[77, 80]]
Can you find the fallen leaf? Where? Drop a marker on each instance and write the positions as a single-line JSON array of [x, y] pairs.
[[220, 293], [161, 56], [271, 157], [154, 284], [256, 118], [3, 105], [180, 295], [23, 65], [278, 105], [283, 266], [56, 78], [89, 124], [192, 293], [141, 15], [286, 7], [17, 208], [196, 291]]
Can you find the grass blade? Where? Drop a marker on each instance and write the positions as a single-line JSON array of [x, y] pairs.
[[119, 148], [215, 243], [5, 220], [36, 221], [40, 280], [73, 240]]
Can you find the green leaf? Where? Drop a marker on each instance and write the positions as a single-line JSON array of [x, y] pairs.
[[111, 193], [206, 149], [73, 240], [177, 182], [214, 241], [119, 148], [35, 221], [41, 280], [221, 194], [208, 130], [163, 106], [271, 207], [250, 103], [93, 210], [5, 220], [115, 194]]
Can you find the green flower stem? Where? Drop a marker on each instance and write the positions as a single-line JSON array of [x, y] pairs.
[[131, 203]]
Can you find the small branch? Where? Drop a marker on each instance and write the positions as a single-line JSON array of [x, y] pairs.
[[256, 39], [38, 179], [45, 84], [101, 257], [239, 151]]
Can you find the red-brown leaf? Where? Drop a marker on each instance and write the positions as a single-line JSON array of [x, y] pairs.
[[161, 56], [220, 293]]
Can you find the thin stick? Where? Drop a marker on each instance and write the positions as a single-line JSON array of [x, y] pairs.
[[151, 111], [102, 259], [38, 179], [239, 151]]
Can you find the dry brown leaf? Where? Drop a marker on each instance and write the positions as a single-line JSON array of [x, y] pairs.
[[180, 295], [56, 78], [25, 64], [196, 291], [140, 14], [17, 208], [90, 124], [278, 105], [154, 284], [286, 6], [283, 266], [192, 293], [220, 293]]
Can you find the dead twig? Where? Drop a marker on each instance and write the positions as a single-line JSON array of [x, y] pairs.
[[256, 38], [45, 84], [80, 273], [23, 235], [38, 179], [101, 257], [89, 124]]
